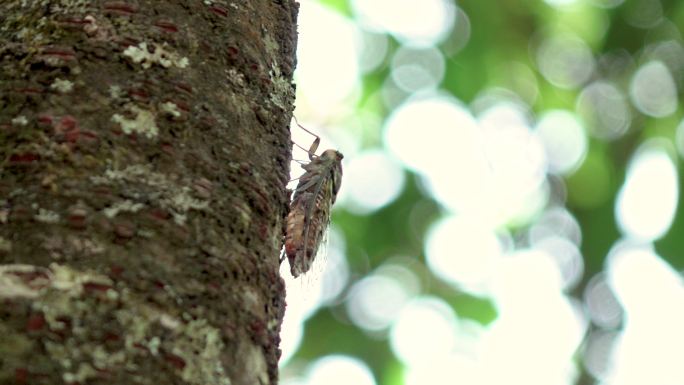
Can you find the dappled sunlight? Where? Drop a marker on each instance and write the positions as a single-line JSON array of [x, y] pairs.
[[652, 295], [425, 25], [647, 201]]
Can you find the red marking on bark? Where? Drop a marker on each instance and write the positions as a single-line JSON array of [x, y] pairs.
[[74, 22], [233, 52], [166, 26], [159, 214], [29, 276], [139, 93], [23, 158], [77, 218], [159, 285], [45, 120], [176, 361], [111, 337], [116, 271], [96, 287], [263, 231], [219, 10], [185, 87], [88, 137], [127, 41], [35, 322], [183, 106], [124, 229], [167, 148], [21, 375], [258, 331], [120, 8], [203, 187], [67, 122], [29, 90], [62, 53]]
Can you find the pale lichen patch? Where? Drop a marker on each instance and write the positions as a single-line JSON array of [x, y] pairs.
[[159, 55], [199, 345], [165, 191], [47, 216], [62, 86], [123, 206], [143, 123], [13, 286], [115, 91], [170, 108], [183, 201], [283, 92], [20, 121]]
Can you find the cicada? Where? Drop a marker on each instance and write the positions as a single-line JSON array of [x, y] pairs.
[[311, 206]]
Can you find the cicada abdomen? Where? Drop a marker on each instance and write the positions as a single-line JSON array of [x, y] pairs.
[[310, 208]]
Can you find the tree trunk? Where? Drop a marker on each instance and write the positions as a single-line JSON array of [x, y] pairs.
[[145, 152]]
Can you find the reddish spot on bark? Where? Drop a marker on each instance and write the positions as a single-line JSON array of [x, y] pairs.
[[116, 271], [62, 53], [120, 8], [166, 26], [96, 287], [176, 361], [111, 337], [183, 106], [67, 122], [263, 231], [124, 229], [159, 285], [74, 22], [88, 137], [23, 158], [45, 120], [203, 188], [185, 87], [35, 322], [139, 93], [21, 375], [219, 10], [77, 218], [233, 53], [168, 148], [29, 90], [127, 41], [159, 214]]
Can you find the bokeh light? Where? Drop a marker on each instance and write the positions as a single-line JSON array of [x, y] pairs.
[[339, 370], [647, 201], [604, 110], [425, 23], [653, 90], [565, 61], [564, 140], [372, 180]]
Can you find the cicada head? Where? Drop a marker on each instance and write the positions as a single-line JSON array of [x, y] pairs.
[[335, 160]]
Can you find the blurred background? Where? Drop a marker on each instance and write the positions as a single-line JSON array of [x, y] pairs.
[[509, 209]]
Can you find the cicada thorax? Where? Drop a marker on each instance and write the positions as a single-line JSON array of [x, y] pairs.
[[310, 209]]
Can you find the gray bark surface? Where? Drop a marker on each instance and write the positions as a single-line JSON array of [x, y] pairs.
[[144, 157]]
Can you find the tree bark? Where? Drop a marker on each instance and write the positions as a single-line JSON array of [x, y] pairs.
[[144, 160]]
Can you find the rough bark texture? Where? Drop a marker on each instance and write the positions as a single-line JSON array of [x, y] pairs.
[[144, 155]]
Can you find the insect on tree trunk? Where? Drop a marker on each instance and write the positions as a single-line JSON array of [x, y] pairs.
[[144, 156]]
